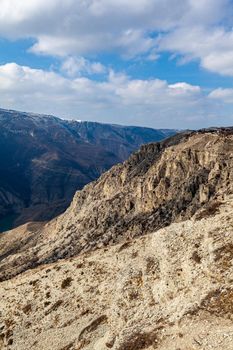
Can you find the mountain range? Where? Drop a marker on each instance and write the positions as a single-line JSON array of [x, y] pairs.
[[45, 160], [142, 259]]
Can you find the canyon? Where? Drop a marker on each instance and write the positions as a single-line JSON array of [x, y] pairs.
[[141, 259], [45, 160]]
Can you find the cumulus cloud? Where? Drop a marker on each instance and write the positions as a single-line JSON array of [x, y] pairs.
[[214, 48], [78, 66], [192, 28], [224, 95], [77, 31], [123, 99], [184, 88], [79, 27]]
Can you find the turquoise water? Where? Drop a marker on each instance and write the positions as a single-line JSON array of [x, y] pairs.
[[7, 222]]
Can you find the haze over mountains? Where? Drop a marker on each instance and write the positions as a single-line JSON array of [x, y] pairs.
[[147, 257], [44, 160]]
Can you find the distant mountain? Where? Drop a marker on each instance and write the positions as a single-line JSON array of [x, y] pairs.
[[44, 160]]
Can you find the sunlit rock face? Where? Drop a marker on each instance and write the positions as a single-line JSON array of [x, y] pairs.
[[171, 289], [162, 183], [141, 260], [45, 160]]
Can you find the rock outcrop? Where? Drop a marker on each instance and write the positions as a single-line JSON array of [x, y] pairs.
[[164, 182], [45, 160], [141, 260], [171, 289]]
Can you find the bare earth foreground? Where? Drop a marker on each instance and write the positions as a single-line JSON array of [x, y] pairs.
[[168, 290], [141, 260]]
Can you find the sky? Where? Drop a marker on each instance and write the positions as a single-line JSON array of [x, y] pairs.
[[156, 63]]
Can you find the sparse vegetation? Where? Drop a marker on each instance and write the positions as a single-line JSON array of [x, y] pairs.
[[210, 210], [66, 283], [27, 309], [196, 257], [54, 307]]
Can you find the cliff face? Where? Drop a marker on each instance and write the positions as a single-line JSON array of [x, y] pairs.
[[162, 183], [171, 289], [149, 257], [45, 160]]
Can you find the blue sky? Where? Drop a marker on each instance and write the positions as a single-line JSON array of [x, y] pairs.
[[157, 63]]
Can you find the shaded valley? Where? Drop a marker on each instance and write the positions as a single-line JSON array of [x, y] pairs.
[[44, 160]]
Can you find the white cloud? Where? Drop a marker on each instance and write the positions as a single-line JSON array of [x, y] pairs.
[[224, 95], [118, 98], [77, 66], [79, 27], [192, 28], [198, 30], [213, 47], [184, 88]]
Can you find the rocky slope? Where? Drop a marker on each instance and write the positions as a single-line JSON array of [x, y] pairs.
[[148, 257], [171, 289], [162, 183], [44, 160]]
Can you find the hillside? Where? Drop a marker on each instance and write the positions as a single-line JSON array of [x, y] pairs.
[[141, 260], [164, 182], [168, 290], [44, 160]]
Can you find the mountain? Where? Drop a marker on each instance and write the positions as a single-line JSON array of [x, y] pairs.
[[44, 160], [147, 257], [162, 183]]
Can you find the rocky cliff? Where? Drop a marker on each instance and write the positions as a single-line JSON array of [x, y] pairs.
[[141, 260], [164, 182], [45, 160], [171, 289]]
